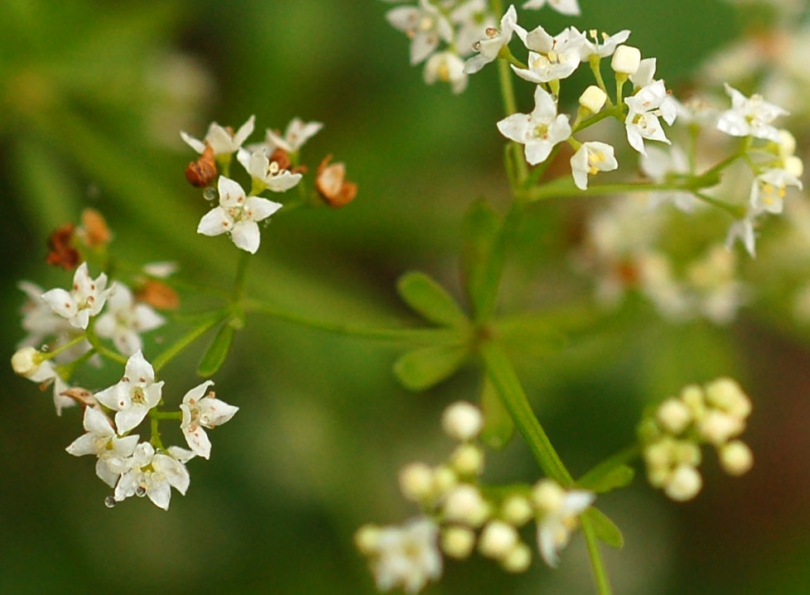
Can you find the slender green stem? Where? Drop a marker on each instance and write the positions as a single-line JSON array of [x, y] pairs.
[[102, 349], [618, 459], [426, 335], [510, 107], [597, 564], [503, 376], [195, 333], [165, 414]]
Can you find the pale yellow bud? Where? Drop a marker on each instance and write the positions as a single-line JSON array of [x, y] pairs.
[[626, 60], [516, 510], [497, 540], [684, 483], [593, 99], [26, 361], [467, 460], [736, 458], [547, 495], [519, 559], [458, 542], [416, 482], [464, 504], [462, 421], [674, 416], [367, 538]]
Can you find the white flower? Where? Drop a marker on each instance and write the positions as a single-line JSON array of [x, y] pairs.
[[265, 173], [569, 7], [153, 474], [743, 229], [538, 131], [591, 158], [200, 411], [750, 116], [769, 188], [646, 106], [406, 556], [295, 135], [85, 299], [448, 68], [135, 394], [489, 47], [644, 74], [237, 215], [558, 516], [551, 58], [102, 441], [222, 140], [125, 319], [471, 19], [605, 48], [39, 319], [425, 25]]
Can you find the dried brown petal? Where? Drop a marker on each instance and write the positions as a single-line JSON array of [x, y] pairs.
[[94, 231], [60, 251], [202, 172], [158, 295], [331, 183]]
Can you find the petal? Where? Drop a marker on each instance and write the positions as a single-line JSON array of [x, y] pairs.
[[106, 473], [160, 494], [97, 423], [244, 131], [195, 144], [83, 445], [515, 127], [61, 302], [193, 396], [138, 369], [231, 194], [127, 341], [215, 222], [246, 236], [257, 208], [282, 181], [198, 441], [128, 419]]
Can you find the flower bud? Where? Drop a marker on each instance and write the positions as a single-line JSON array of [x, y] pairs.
[[684, 483], [462, 421], [547, 495], [416, 482], [794, 166], [593, 99], [458, 542], [519, 559], [717, 427], [626, 60], [736, 458], [26, 361], [673, 415], [444, 478], [468, 460], [516, 510], [366, 539], [464, 504], [727, 395], [497, 540]]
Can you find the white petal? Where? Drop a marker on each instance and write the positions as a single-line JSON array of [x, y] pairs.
[[258, 208], [246, 236], [61, 302], [198, 441], [130, 418], [195, 144], [215, 222], [283, 181], [231, 194], [138, 369]]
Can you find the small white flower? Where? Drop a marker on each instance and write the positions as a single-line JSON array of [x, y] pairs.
[[471, 20], [489, 47], [568, 7], [743, 230], [538, 131], [558, 516], [750, 116], [39, 319], [425, 25], [223, 141], [237, 215], [406, 556], [551, 58], [125, 319], [768, 190], [102, 441], [591, 158], [266, 172], [153, 474], [604, 48], [295, 135], [448, 68], [134, 395], [86, 298], [646, 106], [201, 410]]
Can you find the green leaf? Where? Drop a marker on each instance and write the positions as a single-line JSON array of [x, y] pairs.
[[601, 481], [606, 530], [498, 424], [216, 353], [530, 335], [423, 368], [429, 299], [481, 257]]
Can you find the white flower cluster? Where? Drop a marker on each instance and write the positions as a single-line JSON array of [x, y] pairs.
[[458, 515], [134, 468], [714, 414], [238, 213], [445, 32]]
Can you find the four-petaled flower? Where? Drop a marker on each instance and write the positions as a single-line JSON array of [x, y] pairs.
[[591, 158], [769, 188], [425, 26], [551, 58], [538, 131], [237, 215], [265, 173], [200, 411], [295, 135], [489, 47], [135, 394], [85, 299], [102, 441], [645, 107], [153, 474], [222, 141], [750, 116], [125, 319]]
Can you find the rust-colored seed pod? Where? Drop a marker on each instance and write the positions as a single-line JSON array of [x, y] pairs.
[[60, 252], [202, 172]]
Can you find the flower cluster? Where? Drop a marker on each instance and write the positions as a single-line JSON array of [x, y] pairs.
[[273, 165], [460, 514], [445, 32], [672, 435]]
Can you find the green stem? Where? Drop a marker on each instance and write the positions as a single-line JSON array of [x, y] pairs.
[[102, 349], [510, 107], [173, 350], [503, 376], [426, 335], [597, 564], [616, 460]]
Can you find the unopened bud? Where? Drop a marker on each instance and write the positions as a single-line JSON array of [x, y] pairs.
[[516, 510], [684, 484], [462, 421], [497, 540], [518, 559], [26, 361], [673, 415], [458, 542], [416, 482], [626, 60], [736, 458], [464, 504], [468, 460], [593, 99]]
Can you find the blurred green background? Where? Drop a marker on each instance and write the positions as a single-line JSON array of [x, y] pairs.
[[92, 95]]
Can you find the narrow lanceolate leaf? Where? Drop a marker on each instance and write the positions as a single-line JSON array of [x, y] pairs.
[[429, 299], [216, 353], [423, 368], [498, 425], [606, 530], [601, 481], [481, 257]]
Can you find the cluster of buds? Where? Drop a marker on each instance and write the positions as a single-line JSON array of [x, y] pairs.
[[673, 434], [444, 33], [273, 165], [460, 515]]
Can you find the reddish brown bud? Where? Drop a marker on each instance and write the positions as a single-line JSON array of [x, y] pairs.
[[331, 183], [94, 231], [202, 172], [60, 251], [158, 294], [281, 158]]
